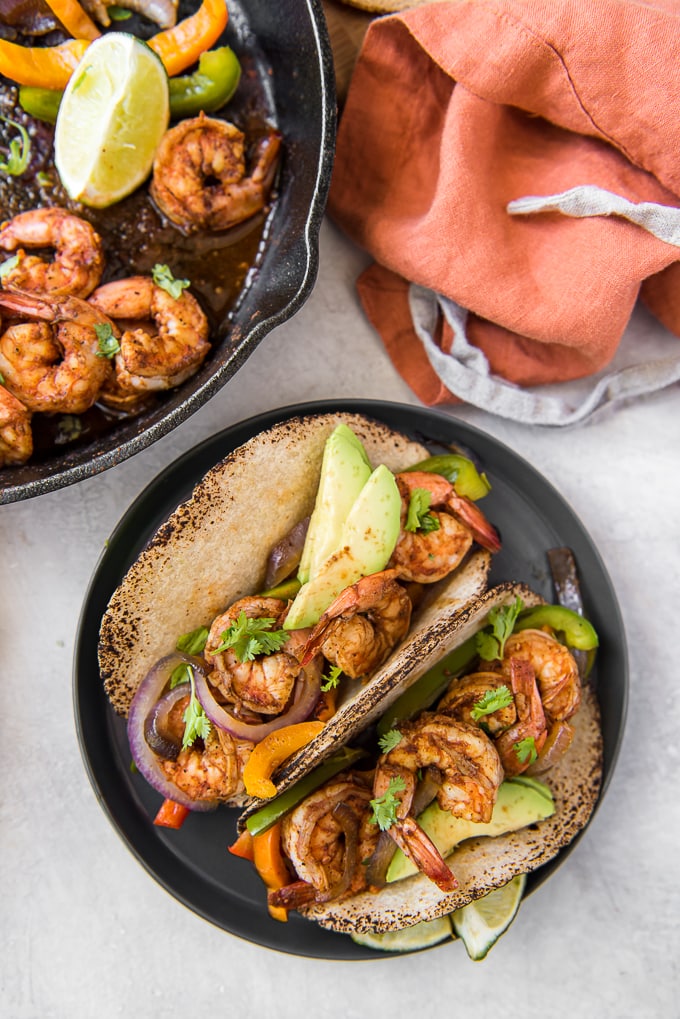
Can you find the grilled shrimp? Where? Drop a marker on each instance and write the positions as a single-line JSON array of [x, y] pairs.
[[79, 256], [556, 671], [468, 772], [162, 12], [358, 631], [326, 839], [465, 692], [53, 362], [515, 754], [211, 771], [164, 339], [16, 438], [264, 683], [200, 179], [430, 552]]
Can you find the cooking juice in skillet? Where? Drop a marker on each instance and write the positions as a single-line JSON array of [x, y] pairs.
[[135, 235]]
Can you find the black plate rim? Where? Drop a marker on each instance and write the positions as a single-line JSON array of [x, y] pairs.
[[304, 266], [339, 947]]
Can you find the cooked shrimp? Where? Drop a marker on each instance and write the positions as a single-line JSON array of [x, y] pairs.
[[211, 770], [16, 438], [358, 631], [200, 180], [430, 552], [520, 744], [162, 12], [469, 773], [465, 692], [79, 256], [53, 362], [326, 838], [556, 671], [164, 339], [264, 683]]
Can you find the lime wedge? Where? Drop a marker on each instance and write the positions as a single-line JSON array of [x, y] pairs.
[[113, 114], [422, 935], [480, 924]]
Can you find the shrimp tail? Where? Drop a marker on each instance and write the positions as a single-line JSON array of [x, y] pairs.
[[292, 896], [485, 534], [422, 852]]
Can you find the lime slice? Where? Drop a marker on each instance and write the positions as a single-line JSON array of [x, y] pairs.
[[113, 114], [480, 924], [409, 939]]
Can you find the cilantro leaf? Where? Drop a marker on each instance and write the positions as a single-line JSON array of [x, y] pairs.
[[418, 517], [196, 722], [526, 750], [490, 701], [107, 342], [502, 620], [193, 643], [250, 637], [180, 674], [19, 151], [163, 278], [385, 807], [330, 681], [390, 740]]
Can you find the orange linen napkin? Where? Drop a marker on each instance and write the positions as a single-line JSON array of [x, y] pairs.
[[455, 111]]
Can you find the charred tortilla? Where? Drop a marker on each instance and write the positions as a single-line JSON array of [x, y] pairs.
[[213, 550], [483, 864]]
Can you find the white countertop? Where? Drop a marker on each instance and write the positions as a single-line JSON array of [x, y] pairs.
[[84, 931]]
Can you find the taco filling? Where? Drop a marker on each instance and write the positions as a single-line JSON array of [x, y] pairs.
[[271, 668], [469, 751]]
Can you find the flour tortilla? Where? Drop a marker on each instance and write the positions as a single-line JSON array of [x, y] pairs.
[[213, 550], [483, 864]]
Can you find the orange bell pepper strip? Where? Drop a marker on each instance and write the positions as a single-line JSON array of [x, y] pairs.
[[243, 847], [182, 45], [271, 866], [74, 19], [270, 752], [41, 66], [171, 815]]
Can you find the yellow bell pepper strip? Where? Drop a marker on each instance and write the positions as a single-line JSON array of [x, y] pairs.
[[209, 87], [273, 751], [45, 66], [181, 46], [271, 866], [74, 19]]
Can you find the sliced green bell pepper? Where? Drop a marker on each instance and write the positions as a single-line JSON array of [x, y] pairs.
[[578, 632], [457, 469], [208, 89]]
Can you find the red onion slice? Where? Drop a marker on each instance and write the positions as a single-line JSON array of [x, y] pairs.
[[285, 557], [305, 697], [143, 703]]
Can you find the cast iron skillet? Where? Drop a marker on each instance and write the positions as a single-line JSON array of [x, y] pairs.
[[193, 864], [291, 54]]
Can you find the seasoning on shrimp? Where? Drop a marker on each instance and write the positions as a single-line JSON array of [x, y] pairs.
[[164, 338], [16, 438], [50, 359], [200, 177], [78, 261]]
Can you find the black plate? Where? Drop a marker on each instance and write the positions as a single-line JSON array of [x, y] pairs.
[[290, 57], [193, 864]]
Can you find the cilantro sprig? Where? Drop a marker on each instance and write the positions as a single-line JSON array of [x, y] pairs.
[[163, 277], [248, 638], [418, 516], [502, 619], [526, 750], [196, 722], [490, 701], [385, 807], [193, 643], [330, 681], [389, 740], [106, 341]]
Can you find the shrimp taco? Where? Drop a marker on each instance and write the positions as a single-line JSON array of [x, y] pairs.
[[483, 769], [285, 603]]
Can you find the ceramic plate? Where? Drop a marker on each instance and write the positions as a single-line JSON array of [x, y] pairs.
[[193, 863]]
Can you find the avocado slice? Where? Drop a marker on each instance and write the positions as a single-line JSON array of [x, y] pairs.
[[345, 469], [367, 541], [521, 801]]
